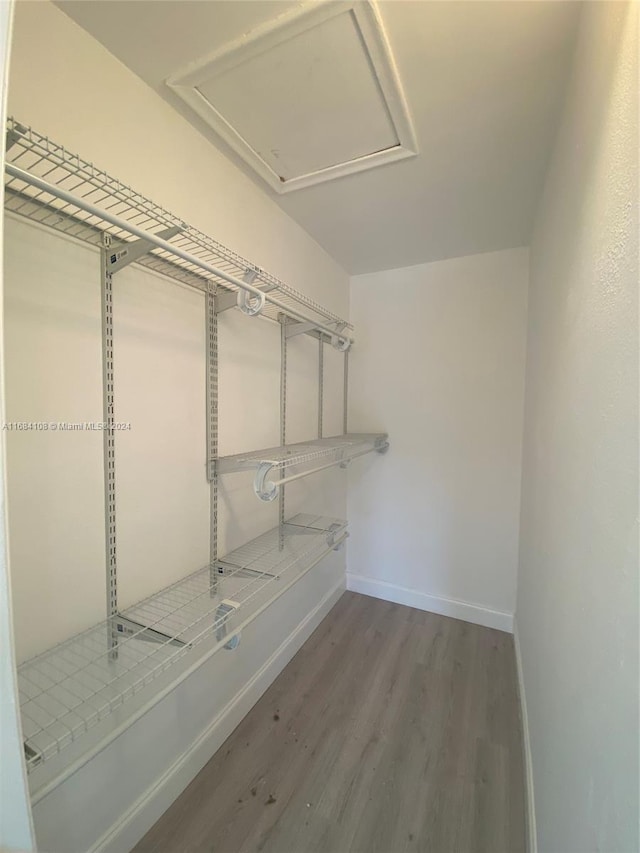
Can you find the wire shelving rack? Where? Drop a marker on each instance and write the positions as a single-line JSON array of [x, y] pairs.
[[70, 688], [41, 158], [78, 684], [293, 461]]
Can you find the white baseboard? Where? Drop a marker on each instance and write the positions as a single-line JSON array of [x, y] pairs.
[[143, 813], [434, 604], [532, 840]]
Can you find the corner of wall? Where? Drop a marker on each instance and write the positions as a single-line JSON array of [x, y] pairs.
[[530, 807]]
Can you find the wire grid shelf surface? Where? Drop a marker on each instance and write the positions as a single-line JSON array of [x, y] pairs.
[[72, 687], [38, 155], [337, 447]]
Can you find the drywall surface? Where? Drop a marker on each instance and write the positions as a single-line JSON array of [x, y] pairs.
[[439, 364], [16, 826], [67, 86], [577, 610]]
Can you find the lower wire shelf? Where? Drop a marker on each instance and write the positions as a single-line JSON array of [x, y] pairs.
[[70, 688]]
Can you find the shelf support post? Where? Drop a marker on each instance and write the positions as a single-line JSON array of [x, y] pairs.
[[345, 397], [283, 417], [109, 449], [212, 432], [320, 383]]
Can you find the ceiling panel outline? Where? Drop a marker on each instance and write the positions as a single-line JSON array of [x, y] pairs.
[[372, 40]]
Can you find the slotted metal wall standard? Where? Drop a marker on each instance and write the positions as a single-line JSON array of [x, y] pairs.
[[283, 409], [109, 448], [212, 430], [68, 689]]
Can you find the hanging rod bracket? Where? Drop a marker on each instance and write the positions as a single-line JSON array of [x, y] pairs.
[[342, 344], [128, 253], [265, 489], [250, 303]]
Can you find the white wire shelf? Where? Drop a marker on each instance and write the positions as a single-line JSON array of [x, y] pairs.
[[293, 461], [68, 689], [40, 157]]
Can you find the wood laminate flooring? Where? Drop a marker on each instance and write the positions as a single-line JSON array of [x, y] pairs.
[[391, 730]]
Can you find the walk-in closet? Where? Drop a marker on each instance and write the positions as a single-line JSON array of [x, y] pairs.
[[320, 426]]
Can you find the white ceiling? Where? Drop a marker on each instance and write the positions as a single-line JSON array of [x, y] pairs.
[[269, 94], [284, 107], [484, 83]]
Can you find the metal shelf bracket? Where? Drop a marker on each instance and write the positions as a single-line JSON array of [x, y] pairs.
[[333, 540], [223, 614], [129, 253], [225, 299], [131, 628], [13, 135], [292, 330]]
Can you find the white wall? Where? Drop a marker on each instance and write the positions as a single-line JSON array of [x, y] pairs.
[[577, 611], [439, 364], [67, 86], [16, 827]]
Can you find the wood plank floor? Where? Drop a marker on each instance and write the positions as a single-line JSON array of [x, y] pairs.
[[391, 730]]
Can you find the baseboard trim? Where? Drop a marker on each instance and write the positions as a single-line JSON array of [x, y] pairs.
[[144, 812], [434, 604], [532, 839]]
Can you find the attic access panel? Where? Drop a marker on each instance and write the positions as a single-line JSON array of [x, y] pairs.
[[306, 98]]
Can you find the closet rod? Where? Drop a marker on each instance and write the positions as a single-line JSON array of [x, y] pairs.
[[82, 204], [343, 462]]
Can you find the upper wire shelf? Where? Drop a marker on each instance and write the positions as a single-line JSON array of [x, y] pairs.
[[38, 156], [70, 688], [337, 450]]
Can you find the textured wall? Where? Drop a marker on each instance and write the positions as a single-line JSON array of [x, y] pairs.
[[577, 610]]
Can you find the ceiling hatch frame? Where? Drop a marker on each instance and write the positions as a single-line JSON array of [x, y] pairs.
[[374, 41]]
